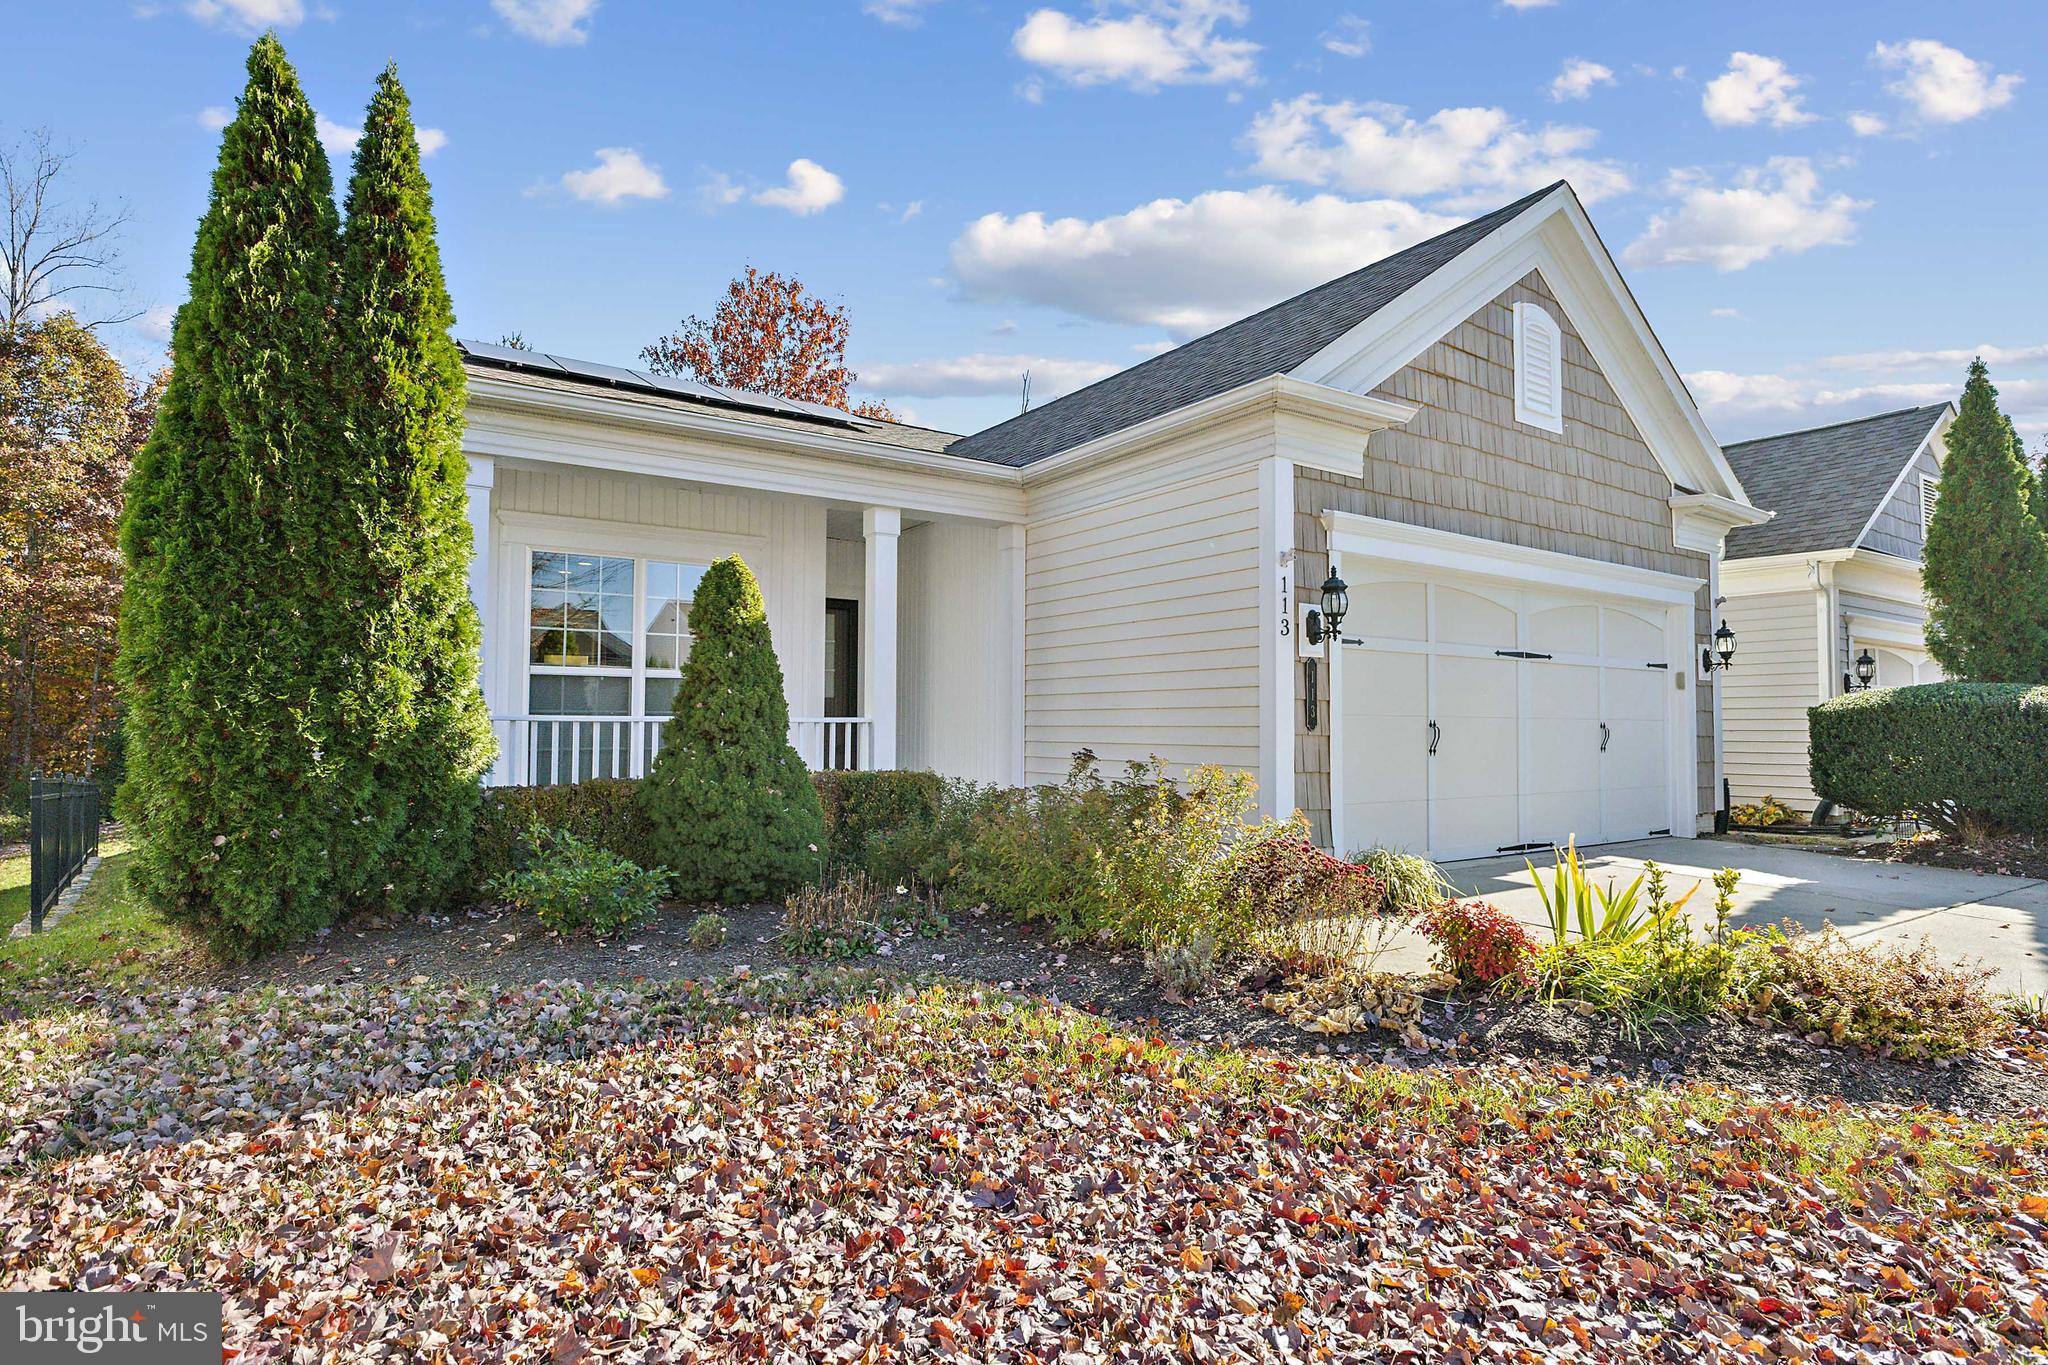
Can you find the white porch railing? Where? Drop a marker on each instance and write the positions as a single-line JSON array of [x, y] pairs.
[[542, 751]]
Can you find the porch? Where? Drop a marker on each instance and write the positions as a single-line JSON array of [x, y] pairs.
[[885, 621]]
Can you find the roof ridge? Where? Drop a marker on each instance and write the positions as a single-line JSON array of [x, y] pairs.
[[1830, 426]]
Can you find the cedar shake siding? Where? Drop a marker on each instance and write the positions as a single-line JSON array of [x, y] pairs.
[[1464, 465]]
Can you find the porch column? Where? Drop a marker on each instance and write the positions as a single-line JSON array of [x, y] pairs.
[[880, 528], [1010, 553], [482, 475]]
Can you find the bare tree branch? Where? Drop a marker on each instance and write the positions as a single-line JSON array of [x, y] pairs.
[[48, 251]]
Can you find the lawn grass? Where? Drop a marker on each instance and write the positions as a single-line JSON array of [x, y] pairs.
[[106, 937]]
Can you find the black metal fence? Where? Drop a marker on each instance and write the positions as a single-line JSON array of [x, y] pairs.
[[63, 832]]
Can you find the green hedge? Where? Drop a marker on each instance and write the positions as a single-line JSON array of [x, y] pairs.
[[1948, 752], [861, 809]]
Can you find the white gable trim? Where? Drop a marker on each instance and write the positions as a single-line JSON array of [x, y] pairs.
[[1555, 237], [1934, 443]]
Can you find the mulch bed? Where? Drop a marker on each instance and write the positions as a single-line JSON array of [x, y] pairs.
[[2015, 855], [504, 946]]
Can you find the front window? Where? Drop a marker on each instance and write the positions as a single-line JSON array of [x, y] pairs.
[[606, 639]]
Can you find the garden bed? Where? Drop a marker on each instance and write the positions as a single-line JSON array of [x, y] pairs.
[[497, 946], [2015, 855]]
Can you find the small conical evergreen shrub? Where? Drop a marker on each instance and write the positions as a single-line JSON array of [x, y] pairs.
[[426, 737], [734, 815], [1985, 564], [230, 649]]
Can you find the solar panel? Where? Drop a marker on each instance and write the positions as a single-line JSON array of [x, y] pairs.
[[508, 355], [688, 388], [608, 374]]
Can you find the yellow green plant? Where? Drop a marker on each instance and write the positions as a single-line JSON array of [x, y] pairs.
[[1599, 914]]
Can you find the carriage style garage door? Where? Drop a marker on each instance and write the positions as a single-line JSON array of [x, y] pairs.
[[1481, 716]]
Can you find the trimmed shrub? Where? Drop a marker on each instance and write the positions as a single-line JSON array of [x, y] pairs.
[[574, 886], [732, 808], [871, 819], [1960, 755], [604, 812]]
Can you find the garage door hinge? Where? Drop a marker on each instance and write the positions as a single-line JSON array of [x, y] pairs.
[[1656, 665], [1521, 848], [1519, 654], [1660, 831]]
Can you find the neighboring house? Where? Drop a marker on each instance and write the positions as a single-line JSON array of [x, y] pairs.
[[1480, 432], [1834, 574]]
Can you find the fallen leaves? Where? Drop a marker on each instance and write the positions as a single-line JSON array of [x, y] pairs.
[[818, 1168]]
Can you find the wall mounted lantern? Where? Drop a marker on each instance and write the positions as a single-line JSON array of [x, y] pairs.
[[1320, 624], [1722, 655], [1866, 674]]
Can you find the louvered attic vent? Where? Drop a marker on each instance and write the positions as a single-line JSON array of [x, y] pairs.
[[1539, 369]]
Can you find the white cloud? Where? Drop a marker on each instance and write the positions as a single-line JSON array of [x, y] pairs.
[[1767, 210], [902, 13], [983, 374], [1480, 156], [1144, 45], [1528, 4], [1940, 83], [1006, 327], [155, 324], [910, 210], [340, 139], [1349, 36], [1152, 348], [1724, 312], [810, 189], [719, 189], [1576, 78], [619, 175], [1950, 358], [215, 117], [558, 23], [1183, 265], [249, 14], [1866, 125], [1754, 89]]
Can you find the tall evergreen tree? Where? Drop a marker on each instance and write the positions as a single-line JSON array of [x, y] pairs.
[[733, 811], [229, 641], [427, 737], [1985, 564]]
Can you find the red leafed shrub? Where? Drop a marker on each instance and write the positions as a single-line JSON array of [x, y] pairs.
[[1300, 904], [1478, 943]]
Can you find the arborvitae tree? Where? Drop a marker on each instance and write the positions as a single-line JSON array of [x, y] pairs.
[[229, 647], [733, 811], [427, 736], [1985, 564]]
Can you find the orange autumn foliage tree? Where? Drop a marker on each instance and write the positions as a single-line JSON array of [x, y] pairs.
[[70, 423], [768, 336]]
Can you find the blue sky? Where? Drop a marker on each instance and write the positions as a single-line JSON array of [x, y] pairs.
[[1823, 208]]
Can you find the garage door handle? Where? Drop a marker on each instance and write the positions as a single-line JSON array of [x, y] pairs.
[[1436, 732], [1603, 736]]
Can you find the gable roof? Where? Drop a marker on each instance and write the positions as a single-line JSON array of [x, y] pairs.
[[1273, 341], [1825, 482]]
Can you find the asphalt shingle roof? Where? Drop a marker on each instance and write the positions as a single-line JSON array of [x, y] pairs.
[[1825, 482], [1273, 341]]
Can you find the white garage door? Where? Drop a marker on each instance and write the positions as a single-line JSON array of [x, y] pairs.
[[1481, 718]]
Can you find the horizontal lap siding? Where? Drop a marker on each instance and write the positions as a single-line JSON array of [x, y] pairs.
[[1141, 629], [953, 671], [1464, 465], [1765, 696]]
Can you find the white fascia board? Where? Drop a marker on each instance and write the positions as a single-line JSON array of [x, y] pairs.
[[1896, 632], [1425, 547], [1554, 236], [1280, 394], [594, 431], [1776, 573], [1937, 440], [1877, 574]]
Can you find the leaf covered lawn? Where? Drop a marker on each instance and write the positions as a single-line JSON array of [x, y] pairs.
[[835, 1168]]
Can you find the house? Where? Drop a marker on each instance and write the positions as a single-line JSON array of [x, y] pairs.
[[1835, 575], [1480, 433]]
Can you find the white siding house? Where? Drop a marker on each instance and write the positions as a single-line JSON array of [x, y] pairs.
[[1128, 569]]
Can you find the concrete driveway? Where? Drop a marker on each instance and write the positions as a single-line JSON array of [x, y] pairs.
[[1999, 921]]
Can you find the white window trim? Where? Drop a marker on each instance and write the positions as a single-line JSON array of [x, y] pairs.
[[519, 534], [638, 671], [1528, 315]]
